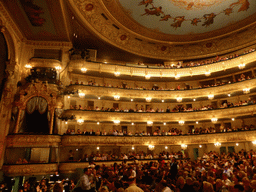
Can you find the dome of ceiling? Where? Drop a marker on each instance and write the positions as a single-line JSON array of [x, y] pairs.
[[171, 29], [188, 17]]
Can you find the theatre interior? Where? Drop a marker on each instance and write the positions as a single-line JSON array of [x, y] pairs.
[[103, 80]]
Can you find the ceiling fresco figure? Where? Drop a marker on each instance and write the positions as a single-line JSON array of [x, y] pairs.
[[208, 17]]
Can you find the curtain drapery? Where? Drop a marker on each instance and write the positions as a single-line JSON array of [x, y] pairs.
[[36, 103]]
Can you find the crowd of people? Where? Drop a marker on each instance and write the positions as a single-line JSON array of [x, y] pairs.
[[212, 172], [177, 108], [157, 132]]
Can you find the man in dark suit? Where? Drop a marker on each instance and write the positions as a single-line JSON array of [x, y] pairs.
[[174, 169]]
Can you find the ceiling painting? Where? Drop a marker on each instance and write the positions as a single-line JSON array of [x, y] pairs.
[[184, 17]]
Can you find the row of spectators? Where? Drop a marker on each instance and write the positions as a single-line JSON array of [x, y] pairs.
[[178, 87], [157, 132], [177, 108]]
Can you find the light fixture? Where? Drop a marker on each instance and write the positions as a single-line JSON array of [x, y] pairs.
[[164, 123], [217, 144], [131, 99], [98, 123], [58, 68], [179, 99], [181, 122], [237, 144], [200, 146], [151, 147], [116, 121], [233, 119], [28, 66], [98, 148], [177, 77], [66, 122], [183, 146], [162, 101], [80, 121], [214, 120], [116, 97], [148, 99], [254, 142], [196, 122], [132, 148], [229, 95], [210, 96], [117, 74], [147, 76], [194, 99], [81, 95], [149, 122], [132, 123], [241, 66], [84, 70], [98, 97], [246, 90], [207, 74], [68, 97], [166, 147]]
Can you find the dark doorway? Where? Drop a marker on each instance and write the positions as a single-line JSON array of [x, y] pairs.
[[36, 123]]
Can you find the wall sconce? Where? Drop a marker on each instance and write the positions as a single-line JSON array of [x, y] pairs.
[[181, 123], [179, 99], [246, 90], [132, 148], [196, 122], [200, 146], [237, 144], [80, 121], [214, 120], [241, 66], [151, 147], [254, 142], [117, 74], [98, 148], [166, 147], [98, 123], [162, 101], [28, 66], [210, 96], [164, 123], [84, 70], [147, 76], [183, 146], [233, 119], [116, 121], [116, 97], [148, 99], [207, 74], [149, 123], [81, 95], [99, 98], [217, 144], [132, 123], [131, 99]]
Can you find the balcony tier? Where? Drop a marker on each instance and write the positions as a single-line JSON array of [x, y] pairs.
[[30, 169], [164, 94]]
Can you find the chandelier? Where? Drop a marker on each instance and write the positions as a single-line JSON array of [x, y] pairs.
[[80, 121], [117, 74], [151, 147], [116, 97], [214, 120], [181, 122], [81, 95], [217, 144], [148, 99], [183, 146], [149, 123], [179, 99], [147, 76], [241, 66], [116, 121], [83, 69], [210, 96], [246, 90]]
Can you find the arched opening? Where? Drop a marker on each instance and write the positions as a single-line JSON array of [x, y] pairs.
[[3, 59], [36, 117]]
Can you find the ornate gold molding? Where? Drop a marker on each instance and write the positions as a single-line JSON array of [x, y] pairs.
[[90, 12], [33, 140], [162, 72], [50, 44], [37, 62], [82, 140], [29, 169], [172, 94], [163, 117]]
